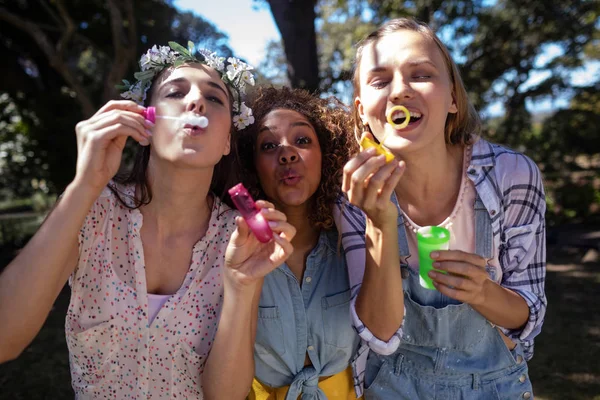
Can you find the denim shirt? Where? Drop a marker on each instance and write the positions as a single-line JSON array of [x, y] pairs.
[[313, 319]]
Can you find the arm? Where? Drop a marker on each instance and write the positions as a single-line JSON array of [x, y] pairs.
[[232, 354], [380, 302], [517, 304], [247, 262], [30, 284], [32, 281]]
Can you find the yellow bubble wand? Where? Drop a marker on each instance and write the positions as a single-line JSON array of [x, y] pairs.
[[366, 143]]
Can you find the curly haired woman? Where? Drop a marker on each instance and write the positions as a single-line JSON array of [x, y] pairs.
[[293, 157]]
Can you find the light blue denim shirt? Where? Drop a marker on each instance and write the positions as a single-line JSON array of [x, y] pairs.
[[312, 318]]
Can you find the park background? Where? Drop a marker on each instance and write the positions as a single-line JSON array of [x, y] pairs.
[[532, 68]]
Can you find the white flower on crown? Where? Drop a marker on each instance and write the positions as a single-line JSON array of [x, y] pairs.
[[214, 61], [136, 93], [244, 118], [247, 77], [157, 58]]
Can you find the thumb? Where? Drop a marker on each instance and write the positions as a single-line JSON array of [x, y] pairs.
[[241, 234]]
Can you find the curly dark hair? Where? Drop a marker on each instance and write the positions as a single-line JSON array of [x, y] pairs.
[[332, 122]]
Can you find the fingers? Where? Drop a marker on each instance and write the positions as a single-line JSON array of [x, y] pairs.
[[115, 118], [353, 165], [458, 255], [121, 105], [387, 177]]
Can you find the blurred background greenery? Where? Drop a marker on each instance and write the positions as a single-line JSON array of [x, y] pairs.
[[62, 59]]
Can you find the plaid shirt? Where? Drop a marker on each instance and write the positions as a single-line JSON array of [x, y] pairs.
[[510, 186]]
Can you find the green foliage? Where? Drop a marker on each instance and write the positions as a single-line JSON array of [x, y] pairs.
[[45, 91]]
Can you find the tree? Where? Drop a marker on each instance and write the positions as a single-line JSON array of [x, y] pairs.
[[296, 22]]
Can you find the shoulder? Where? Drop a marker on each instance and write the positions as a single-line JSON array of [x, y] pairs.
[[511, 168]]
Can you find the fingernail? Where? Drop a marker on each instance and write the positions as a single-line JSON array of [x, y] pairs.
[[148, 132], [432, 274], [272, 224], [437, 264], [434, 254], [370, 150], [149, 123]]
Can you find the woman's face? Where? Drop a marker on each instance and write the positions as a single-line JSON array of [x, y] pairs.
[[405, 68], [288, 158], [191, 90]]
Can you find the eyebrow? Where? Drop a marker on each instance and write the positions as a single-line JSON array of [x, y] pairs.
[[411, 63], [209, 83], [293, 125]]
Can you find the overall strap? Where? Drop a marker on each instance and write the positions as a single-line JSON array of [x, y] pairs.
[[483, 230]]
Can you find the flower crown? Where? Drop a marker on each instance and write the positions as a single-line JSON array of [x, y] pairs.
[[236, 74]]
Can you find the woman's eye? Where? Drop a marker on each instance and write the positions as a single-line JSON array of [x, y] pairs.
[[267, 146], [175, 94], [214, 99], [422, 76], [379, 84], [303, 140]]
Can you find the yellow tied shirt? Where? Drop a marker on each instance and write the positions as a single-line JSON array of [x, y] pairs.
[[335, 387]]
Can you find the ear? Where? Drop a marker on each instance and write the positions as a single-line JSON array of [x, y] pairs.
[[360, 109], [453, 107], [227, 149]]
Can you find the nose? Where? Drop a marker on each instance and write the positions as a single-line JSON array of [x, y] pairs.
[[401, 88], [287, 155], [195, 101]]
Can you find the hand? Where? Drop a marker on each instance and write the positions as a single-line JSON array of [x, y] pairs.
[[369, 181], [247, 260], [467, 278], [101, 139]]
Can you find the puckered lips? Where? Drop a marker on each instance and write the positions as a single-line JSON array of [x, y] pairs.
[[193, 130], [289, 177]]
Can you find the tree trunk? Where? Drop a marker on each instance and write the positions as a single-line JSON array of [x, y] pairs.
[[296, 22]]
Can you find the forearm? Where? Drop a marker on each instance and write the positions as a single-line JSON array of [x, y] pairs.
[[503, 307], [230, 366], [380, 302], [30, 284]]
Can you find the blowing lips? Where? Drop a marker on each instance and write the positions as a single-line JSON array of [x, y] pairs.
[[193, 130], [289, 177]]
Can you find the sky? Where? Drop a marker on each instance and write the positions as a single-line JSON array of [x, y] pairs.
[[250, 27]]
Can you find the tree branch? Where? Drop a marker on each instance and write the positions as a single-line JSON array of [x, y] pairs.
[[69, 30], [124, 46], [53, 56]]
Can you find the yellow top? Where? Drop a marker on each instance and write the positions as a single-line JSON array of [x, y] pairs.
[[335, 387]]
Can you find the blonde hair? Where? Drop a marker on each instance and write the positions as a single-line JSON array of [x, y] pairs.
[[461, 127]]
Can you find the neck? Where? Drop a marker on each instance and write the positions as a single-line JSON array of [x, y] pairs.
[[180, 201], [431, 173], [307, 235]]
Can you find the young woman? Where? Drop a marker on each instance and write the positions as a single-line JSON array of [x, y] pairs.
[[470, 338], [293, 156], [149, 258]]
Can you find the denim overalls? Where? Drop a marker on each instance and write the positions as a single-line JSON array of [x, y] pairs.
[[448, 350]]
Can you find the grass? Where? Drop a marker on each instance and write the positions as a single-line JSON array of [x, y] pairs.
[[566, 365]]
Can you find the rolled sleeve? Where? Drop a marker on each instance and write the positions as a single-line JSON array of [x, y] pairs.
[[379, 346], [522, 253]]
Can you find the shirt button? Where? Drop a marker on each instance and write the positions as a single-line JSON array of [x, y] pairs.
[[310, 348], [493, 212], [308, 279], [527, 395], [472, 171], [522, 378]]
